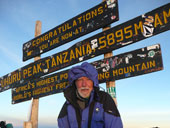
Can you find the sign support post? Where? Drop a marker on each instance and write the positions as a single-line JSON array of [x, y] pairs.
[[33, 121], [110, 86]]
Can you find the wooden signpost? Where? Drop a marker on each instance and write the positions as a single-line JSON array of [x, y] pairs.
[[110, 85], [33, 121], [122, 35]]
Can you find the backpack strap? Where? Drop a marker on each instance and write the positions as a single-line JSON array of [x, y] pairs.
[[90, 113]]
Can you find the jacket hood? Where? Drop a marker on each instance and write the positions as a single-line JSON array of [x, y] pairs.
[[84, 70]]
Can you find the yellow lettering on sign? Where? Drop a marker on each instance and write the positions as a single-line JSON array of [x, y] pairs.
[[100, 10], [119, 34], [14, 77], [152, 64], [79, 19], [74, 23], [115, 72], [64, 76], [33, 85], [120, 71], [84, 18], [59, 59], [42, 90], [140, 26], [32, 70], [21, 96], [110, 39], [64, 27], [50, 35], [46, 81], [55, 41], [61, 85], [78, 52], [72, 56], [88, 49], [134, 68], [143, 66], [88, 16], [76, 32], [29, 71], [22, 88], [128, 32], [165, 15], [137, 66], [33, 43], [47, 63], [67, 35], [106, 40], [157, 21], [24, 73], [103, 75], [102, 41], [94, 13], [59, 29], [68, 26], [43, 38], [53, 63], [65, 57], [83, 47], [39, 68], [126, 70], [43, 46], [55, 32], [17, 97]]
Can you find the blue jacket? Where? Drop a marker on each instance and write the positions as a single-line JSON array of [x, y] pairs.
[[101, 111]]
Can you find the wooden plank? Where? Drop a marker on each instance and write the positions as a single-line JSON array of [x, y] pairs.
[[33, 121], [110, 85]]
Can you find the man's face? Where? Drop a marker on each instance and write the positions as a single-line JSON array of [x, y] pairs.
[[84, 86]]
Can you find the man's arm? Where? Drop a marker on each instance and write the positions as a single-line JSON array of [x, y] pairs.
[[63, 118], [112, 117]]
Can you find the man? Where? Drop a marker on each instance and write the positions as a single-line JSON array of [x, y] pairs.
[[86, 106]]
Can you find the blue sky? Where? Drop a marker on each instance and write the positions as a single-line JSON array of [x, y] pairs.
[[143, 101]]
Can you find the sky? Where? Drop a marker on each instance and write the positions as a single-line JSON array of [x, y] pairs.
[[143, 101]]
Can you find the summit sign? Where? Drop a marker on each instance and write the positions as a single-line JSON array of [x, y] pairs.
[[114, 38]]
